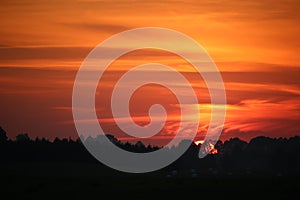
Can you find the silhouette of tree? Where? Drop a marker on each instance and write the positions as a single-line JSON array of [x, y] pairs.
[[234, 146], [57, 140], [3, 136], [219, 146], [262, 155], [139, 144], [112, 138], [64, 141], [24, 138], [71, 141]]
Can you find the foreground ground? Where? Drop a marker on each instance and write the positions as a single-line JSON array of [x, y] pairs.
[[75, 180]]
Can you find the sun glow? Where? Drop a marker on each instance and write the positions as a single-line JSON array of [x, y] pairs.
[[210, 147]]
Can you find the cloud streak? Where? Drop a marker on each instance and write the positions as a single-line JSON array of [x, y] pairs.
[[98, 27]]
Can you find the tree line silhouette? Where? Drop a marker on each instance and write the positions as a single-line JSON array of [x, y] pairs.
[[262, 156]]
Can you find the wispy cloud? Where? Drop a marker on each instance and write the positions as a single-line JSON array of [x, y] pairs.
[[98, 27]]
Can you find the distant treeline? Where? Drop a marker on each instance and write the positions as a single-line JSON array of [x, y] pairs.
[[261, 156]]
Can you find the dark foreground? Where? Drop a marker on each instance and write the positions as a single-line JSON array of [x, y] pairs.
[[48, 181], [263, 168]]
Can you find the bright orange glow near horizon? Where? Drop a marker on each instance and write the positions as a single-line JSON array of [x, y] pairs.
[[255, 45]]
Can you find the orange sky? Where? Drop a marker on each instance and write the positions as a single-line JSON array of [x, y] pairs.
[[254, 43]]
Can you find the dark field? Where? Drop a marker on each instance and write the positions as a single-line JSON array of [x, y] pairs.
[[47, 181]]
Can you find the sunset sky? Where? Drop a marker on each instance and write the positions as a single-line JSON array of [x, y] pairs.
[[255, 45]]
